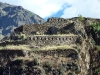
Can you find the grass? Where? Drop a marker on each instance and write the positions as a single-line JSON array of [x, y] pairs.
[[27, 47], [58, 35], [62, 47], [23, 58], [15, 47], [98, 47]]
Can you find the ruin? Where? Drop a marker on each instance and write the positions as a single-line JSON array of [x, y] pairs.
[[49, 40], [56, 31]]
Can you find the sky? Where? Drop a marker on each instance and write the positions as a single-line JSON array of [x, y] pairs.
[[60, 8]]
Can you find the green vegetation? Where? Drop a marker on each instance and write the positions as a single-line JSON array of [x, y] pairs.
[[24, 37], [80, 17], [70, 34], [20, 59], [15, 47], [98, 47], [21, 36], [96, 27], [47, 66], [97, 71], [61, 47]]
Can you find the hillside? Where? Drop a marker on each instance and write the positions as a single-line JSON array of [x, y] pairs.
[[12, 16], [57, 47]]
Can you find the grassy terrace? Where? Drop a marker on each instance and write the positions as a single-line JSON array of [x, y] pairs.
[[57, 35], [61, 47], [27, 47], [15, 47], [20, 44]]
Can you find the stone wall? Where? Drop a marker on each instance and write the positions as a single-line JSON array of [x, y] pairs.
[[30, 29], [52, 40], [22, 62], [53, 22], [54, 19]]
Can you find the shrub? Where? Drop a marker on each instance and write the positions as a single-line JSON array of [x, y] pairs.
[[23, 36], [96, 27], [80, 17], [47, 66], [98, 47], [97, 71]]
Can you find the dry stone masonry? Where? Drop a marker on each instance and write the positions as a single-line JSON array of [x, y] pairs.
[[48, 40], [53, 23]]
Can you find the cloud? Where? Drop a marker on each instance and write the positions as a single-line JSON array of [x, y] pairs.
[[87, 8], [44, 8], [68, 8]]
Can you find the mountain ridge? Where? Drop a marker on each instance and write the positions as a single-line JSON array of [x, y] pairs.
[[12, 16]]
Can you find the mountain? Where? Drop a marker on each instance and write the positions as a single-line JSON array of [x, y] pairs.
[[12, 16]]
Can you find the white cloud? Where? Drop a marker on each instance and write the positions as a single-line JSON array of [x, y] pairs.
[[46, 8], [43, 8], [87, 8]]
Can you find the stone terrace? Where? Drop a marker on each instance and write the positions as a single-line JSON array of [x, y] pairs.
[[50, 40]]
